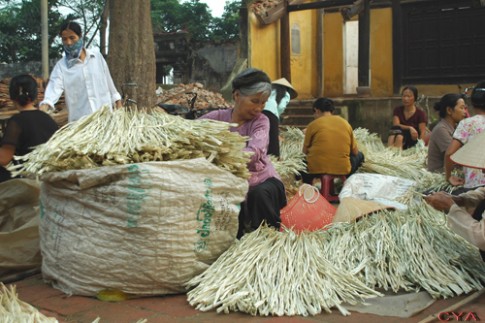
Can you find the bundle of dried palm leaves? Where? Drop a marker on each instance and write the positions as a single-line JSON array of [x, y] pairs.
[[409, 163], [13, 310], [292, 159], [408, 250], [276, 273], [284, 273], [126, 136]]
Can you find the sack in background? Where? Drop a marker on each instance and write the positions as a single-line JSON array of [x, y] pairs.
[[144, 229], [308, 210], [19, 225]]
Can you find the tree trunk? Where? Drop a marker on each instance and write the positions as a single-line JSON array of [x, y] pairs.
[[103, 28], [131, 55]]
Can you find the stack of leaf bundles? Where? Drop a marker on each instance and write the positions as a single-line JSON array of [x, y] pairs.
[[125, 136], [409, 250], [269, 272], [284, 273], [409, 164]]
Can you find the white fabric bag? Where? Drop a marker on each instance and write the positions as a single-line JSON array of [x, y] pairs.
[[143, 229], [379, 188]]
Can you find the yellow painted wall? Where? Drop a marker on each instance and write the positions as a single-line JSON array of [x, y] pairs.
[[264, 46], [380, 53], [333, 58], [304, 74], [264, 51], [381, 64]]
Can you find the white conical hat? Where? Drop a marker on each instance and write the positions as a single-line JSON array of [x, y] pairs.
[[285, 83], [351, 209], [472, 154]]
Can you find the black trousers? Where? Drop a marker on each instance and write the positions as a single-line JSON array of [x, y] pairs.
[[408, 141], [263, 203], [4, 174]]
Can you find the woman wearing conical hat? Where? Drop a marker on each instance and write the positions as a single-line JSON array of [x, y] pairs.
[[281, 94]]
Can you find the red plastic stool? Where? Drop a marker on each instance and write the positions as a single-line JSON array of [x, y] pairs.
[[327, 186]]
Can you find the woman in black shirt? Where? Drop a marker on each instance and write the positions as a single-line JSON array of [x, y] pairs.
[[27, 129]]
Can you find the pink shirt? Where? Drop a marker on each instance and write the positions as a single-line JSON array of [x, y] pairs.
[[257, 130]]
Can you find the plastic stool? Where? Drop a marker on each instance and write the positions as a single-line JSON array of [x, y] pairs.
[[327, 186]]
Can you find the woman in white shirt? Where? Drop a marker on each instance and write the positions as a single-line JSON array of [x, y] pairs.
[[82, 75]]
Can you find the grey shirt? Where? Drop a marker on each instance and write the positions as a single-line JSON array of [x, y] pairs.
[[440, 139]]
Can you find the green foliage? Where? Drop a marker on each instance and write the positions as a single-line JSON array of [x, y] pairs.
[[173, 16], [227, 27], [194, 17], [166, 15], [20, 21], [20, 34]]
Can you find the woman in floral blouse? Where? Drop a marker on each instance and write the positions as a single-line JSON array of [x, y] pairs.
[[466, 130]]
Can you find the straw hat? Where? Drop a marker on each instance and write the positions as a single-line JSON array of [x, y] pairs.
[[472, 154], [351, 209], [284, 82]]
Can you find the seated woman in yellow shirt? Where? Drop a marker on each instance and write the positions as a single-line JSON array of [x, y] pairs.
[[329, 144]]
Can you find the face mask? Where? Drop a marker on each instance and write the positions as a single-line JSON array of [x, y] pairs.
[[74, 51], [283, 103]]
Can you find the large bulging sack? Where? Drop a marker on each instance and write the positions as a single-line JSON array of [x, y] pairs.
[[144, 229], [19, 225]]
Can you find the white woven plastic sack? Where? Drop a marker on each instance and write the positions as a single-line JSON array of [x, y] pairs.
[[144, 229], [379, 188]]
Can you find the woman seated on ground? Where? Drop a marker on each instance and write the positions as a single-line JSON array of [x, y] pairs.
[[29, 128], [451, 109], [266, 195], [329, 144], [408, 122]]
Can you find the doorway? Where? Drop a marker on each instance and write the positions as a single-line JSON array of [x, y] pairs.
[[351, 56]]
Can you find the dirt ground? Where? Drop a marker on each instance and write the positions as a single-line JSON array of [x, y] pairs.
[[175, 308]]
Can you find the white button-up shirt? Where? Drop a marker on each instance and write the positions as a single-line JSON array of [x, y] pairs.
[[87, 86]]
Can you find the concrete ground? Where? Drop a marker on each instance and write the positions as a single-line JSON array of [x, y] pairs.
[[175, 308]]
